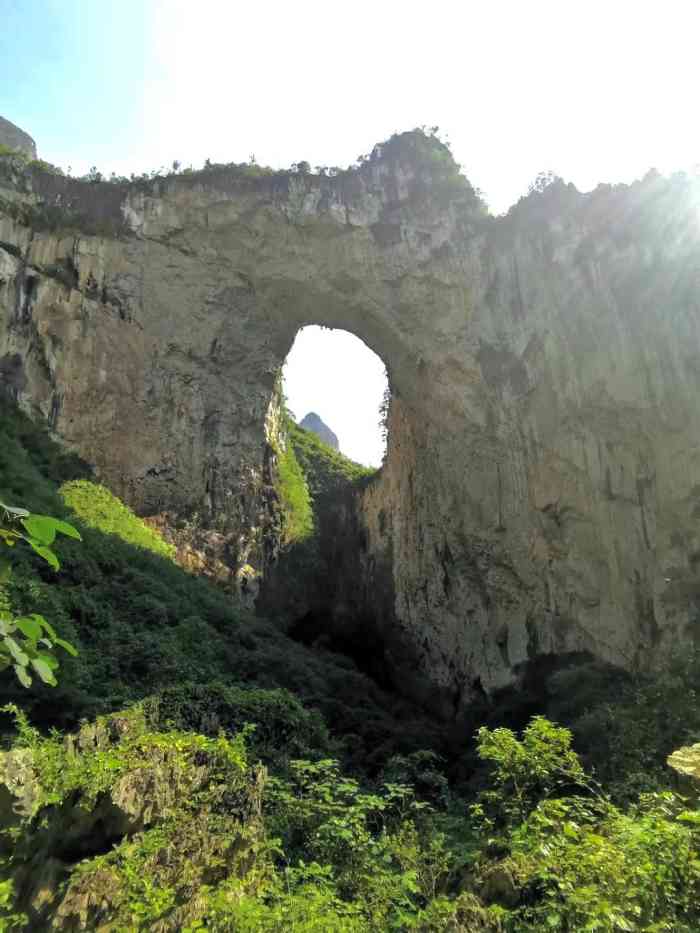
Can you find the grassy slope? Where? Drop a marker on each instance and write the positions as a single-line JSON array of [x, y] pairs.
[[142, 624]]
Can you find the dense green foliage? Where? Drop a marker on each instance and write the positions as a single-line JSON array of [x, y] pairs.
[[218, 844], [571, 859], [626, 725], [369, 819], [315, 485], [96, 507]]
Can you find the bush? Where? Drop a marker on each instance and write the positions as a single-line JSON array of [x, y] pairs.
[[573, 860], [284, 729]]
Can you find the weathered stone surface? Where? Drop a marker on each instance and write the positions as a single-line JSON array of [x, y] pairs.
[[541, 490], [124, 782], [314, 422], [15, 138]]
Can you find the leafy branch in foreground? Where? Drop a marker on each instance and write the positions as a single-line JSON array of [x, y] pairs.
[[28, 643]]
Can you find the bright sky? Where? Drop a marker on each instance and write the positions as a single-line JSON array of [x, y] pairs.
[[596, 90], [336, 375]]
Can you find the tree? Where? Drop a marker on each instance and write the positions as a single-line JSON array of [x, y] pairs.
[[543, 181], [28, 643]]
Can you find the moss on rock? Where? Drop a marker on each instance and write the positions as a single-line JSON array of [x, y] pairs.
[[119, 827]]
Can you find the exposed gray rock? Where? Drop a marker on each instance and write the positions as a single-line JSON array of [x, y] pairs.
[[314, 422], [15, 138], [541, 489]]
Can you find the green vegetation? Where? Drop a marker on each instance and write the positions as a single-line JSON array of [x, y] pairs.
[[327, 471], [294, 497], [22, 158], [219, 844], [142, 624], [315, 485], [568, 859], [97, 508], [422, 147], [28, 642], [254, 784]]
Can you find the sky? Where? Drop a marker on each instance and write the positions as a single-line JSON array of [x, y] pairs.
[[594, 91], [358, 379]]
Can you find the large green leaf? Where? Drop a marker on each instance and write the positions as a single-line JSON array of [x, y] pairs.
[[47, 627], [45, 528], [43, 669], [40, 527], [30, 627], [44, 552], [49, 660], [66, 645], [65, 528], [16, 652], [23, 676]]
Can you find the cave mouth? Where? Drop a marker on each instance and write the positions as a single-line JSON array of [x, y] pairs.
[[332, 374]]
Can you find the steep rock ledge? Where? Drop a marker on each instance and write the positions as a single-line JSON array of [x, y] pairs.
[[541, 487]]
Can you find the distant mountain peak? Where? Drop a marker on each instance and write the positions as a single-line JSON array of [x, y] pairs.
[[314, 422]]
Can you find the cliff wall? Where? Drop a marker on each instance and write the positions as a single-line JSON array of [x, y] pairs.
[[15, 138], [542, 486]]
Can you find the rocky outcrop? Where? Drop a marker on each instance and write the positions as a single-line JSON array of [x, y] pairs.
[[15, 138], [314, 422], [106, 817], [542, 481]]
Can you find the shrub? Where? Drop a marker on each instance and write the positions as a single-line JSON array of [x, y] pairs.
[[284, 728]]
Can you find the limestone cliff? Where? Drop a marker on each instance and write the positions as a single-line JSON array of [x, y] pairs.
[[542, 480], [314, 422], [15, 138]]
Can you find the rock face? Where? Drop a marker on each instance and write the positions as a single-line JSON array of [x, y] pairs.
[[116, 798], [313, 422], [15, 138], [541, 490]]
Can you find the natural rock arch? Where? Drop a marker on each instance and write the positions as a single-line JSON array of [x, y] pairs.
[[542, 476]]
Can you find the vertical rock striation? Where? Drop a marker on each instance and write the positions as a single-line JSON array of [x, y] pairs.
[[542, 483]]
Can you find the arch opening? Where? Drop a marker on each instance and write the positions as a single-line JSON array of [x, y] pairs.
[[333, 375], [333, 429]]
